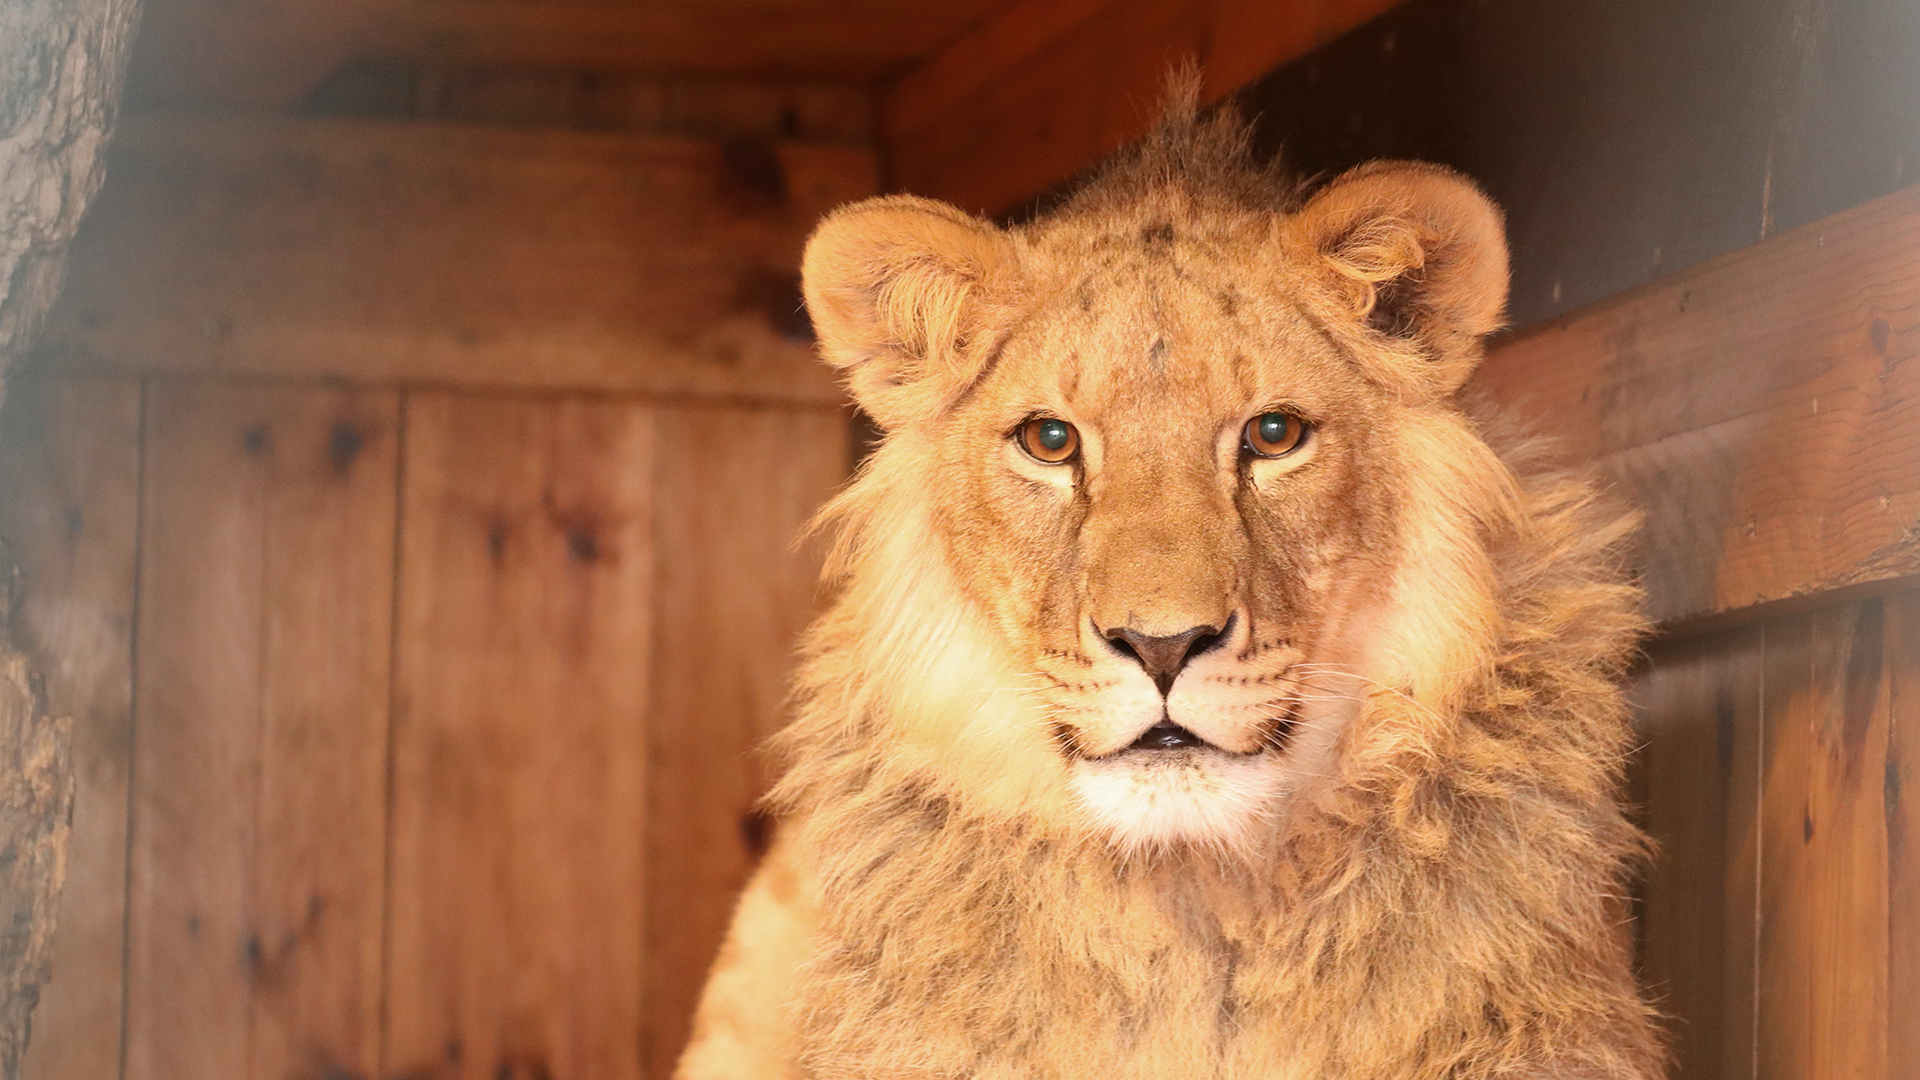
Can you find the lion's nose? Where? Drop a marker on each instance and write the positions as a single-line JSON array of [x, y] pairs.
[[1164, 656]]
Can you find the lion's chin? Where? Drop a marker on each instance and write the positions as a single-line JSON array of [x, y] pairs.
[[1201, 796]]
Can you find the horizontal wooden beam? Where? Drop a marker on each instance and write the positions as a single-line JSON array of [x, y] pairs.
[[1762, 407], [1048, 87], [267, 55], [432, 254]]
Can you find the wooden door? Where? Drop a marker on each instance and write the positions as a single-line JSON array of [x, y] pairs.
[[416, 727]]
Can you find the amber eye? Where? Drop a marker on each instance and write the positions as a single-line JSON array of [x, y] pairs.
[[1049, 439], [1275, 434]]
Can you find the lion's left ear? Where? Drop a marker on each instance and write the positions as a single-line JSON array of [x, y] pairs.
[[1420, 254]]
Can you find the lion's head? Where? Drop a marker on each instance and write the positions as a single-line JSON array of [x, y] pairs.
[[1197, 665], [1173, 478]]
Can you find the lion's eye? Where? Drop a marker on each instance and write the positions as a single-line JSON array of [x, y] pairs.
[[1049, 439], [1275, 434]]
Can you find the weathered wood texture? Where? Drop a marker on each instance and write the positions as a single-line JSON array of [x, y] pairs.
[[1699, 705], [1900, 645], [722, 506], [36, 796], [61, 64], [520, 740], [1045, 88], [69, 470], [1782, 919], [1761, 407], [386, 253], [60, 73], [1824, 842], [260, 696]]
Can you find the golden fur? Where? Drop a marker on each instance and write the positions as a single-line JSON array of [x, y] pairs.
[[1399, 852]]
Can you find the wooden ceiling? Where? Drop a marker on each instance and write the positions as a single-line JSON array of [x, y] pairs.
[[269, 55]]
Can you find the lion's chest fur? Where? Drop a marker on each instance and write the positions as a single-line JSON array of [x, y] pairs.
[[967, 954], [1106, 979]]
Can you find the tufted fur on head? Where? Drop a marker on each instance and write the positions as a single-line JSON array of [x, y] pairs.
[[1384, 839]]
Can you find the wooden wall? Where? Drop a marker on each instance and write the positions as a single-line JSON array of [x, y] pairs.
[[1781, 925], [418, 568]]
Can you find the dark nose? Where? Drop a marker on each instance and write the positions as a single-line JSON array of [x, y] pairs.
[[1163, 657]]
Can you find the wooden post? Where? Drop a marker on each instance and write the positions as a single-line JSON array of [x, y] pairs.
[[60, 74]]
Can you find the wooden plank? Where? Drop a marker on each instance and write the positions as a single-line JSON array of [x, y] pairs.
[[1760, 407], [1824, 914], [268, 57], [1903, 836], [817, 39], [69, 474], [734, 486], [640, 104], [519, 739], [384, 253], [1047, 87], [261, 689], [1699, 719]]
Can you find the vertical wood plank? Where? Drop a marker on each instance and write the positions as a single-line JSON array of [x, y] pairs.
[[1743, 678], [519, 741], [69, 474], [1824, 901], [261, 687], [734, 488], [315, 952], [1699, 717], [1903, 836]]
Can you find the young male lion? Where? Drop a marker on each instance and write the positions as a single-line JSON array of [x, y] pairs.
[[1203, 696]]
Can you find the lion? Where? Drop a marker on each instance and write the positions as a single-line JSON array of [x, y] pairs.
[[1210, 687]]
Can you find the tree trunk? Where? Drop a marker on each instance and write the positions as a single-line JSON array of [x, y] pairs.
[[60, 75]]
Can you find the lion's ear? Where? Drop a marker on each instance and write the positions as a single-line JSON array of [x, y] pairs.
[[1421, 255], [902, 292]]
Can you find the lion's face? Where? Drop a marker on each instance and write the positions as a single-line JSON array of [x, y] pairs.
[[1175, 578], [1174, 488]]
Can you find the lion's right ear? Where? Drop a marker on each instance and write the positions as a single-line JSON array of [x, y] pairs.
[[1420, 254], [903, 293]]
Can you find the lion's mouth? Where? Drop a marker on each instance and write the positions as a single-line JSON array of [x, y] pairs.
[[1167, 735], [1172, 741]]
